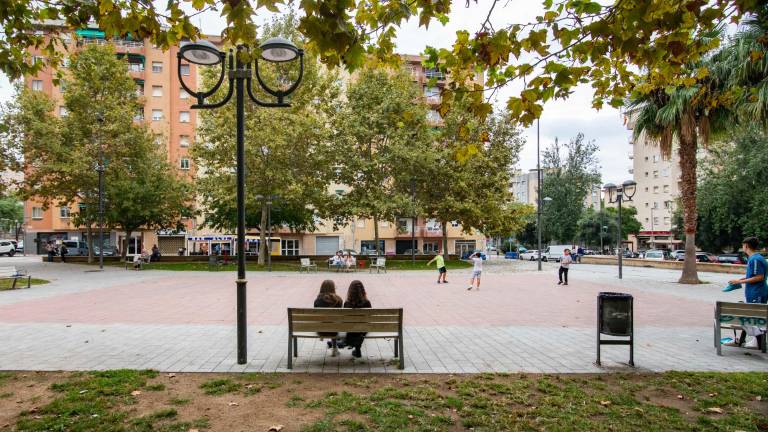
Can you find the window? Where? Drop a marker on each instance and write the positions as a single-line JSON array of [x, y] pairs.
[[361, 223], [63, 111], [665, 172], [667, 204], [431, 247], [37, 85], [184, 69], [655, 189], [655, 205], [37, 212], [646, 173], [38, 59], [655, 174], [434, 116], [184, 163], [368, 246], [656, 158], [157, 114], [157, 67], [667, 220], [157, 91], [666, 188], [64, 212], [184, 141], [135, 67], [184, 116], [454, 224], [139, 114], [431, 91], [62, 86], [656, 219], [289, 247], [139, 89], [66, 36], [183, 94]]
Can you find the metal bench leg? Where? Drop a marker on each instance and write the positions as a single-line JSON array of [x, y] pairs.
[[402, 353], [13, 285], [295, 347], [290, 352], [29, 284], [397, 342], [718, 336]]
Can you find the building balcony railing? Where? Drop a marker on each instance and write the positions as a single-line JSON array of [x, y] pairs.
[[419, 232], [433, 100], [120, 43]]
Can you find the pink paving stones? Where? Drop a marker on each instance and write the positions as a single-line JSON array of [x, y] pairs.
[[516, 299]]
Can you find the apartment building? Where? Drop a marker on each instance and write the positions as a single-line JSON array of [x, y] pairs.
[[657, 191], [166, 110]]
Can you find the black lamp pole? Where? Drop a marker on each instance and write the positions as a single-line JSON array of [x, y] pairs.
[[240, 75], [413, 222], [617, 194], [538, 193], [269, 235]]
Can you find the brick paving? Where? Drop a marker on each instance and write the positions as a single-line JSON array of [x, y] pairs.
[[520, 321]]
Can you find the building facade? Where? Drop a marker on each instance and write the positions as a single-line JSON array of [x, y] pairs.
[[166, 109]]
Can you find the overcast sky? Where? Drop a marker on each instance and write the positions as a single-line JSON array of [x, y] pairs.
[[561, 119]]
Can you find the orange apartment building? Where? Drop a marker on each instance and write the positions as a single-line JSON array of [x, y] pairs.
[[167, 111]]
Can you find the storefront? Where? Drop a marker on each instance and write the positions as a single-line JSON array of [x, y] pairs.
[[657, 240], [210, 245]]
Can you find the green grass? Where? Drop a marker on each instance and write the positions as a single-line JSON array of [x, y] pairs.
[[220, 387], [6, 284], [294, 266], [524, 402]]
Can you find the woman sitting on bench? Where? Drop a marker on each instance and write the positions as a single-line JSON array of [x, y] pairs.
[[327, 298], [356, 299]]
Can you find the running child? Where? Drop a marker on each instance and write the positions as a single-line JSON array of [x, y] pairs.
[[441, 270]]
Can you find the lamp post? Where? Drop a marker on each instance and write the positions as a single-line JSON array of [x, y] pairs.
[[538, 224], [538, 192], [413, 221], [617, 194], [100, 167], [239, 69]]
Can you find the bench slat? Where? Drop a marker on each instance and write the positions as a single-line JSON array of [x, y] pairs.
[[350, 319], [340, 311], [345, 327]]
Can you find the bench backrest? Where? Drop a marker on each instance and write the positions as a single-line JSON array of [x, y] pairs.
[[345, 320], [381, 261], [749, 314], [8, 271], [304, 261]]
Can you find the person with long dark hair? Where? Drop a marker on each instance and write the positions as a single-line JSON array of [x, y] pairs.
[[327, 298], [356, 299]]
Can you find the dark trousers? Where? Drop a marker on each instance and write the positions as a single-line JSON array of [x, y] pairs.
[[563, 274], [355, 340], [50, 256]]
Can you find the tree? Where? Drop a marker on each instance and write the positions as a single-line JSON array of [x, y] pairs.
[[289, 152], [570, 173], [571, 42], [730, 203], [380, 129], [11, 213]]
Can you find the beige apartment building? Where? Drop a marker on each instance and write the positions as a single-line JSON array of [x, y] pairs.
[[167, 111], [657, 191]]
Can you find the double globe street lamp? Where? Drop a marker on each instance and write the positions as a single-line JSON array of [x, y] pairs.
[[239, 67], [618, 194]]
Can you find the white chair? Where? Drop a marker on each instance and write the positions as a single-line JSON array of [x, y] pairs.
[[307, 265], [380, 264]]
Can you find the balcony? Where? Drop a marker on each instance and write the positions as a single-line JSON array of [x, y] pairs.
[[433, 100], [434, 73], [420, 232]]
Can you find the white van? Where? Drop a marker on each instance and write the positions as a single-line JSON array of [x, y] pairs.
[[555, 252]]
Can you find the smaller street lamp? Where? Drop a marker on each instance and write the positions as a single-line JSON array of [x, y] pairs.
[[618, 194], [546, 200]]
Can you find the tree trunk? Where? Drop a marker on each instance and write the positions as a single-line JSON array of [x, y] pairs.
[[126, 240], [263, 235], [376, 234], [444, 229], [687, 154], [89, 233]]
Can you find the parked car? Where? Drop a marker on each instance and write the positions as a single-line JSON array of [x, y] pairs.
[[467, 255], [631, 254], [7, 248], [657, 255], [531, 255], [678, 255], [108, 250], [75, 248], [20, 246], [734, 258], [706, 257]]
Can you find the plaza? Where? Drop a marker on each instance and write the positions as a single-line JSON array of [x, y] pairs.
[[519, 321]]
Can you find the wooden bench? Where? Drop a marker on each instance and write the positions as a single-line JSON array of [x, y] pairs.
[[378, 323], [14, 274], [736, 316]]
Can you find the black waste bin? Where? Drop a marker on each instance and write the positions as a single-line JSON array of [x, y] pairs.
[[615, 318]]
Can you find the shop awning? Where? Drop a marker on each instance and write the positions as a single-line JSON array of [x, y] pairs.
[[133, 58], [210, 238], [90, 33]]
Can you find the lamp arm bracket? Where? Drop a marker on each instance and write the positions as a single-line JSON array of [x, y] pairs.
[[249, 86], [201, 105], [200, 96]]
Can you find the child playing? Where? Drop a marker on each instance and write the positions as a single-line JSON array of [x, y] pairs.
[[756, 290], [441, 270], [477, 270], [565, 261]]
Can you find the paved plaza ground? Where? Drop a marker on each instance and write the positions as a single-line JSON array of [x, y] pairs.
[[520, 321]]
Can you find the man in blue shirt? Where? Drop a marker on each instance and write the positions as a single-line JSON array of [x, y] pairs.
[[756, 290]]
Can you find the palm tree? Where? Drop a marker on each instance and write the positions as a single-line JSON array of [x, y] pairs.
[[687, 115]]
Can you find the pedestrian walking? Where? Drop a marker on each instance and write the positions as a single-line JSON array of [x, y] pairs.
[[441, 270], [565, 262], [477, 270], [63, 251], [50, 250]]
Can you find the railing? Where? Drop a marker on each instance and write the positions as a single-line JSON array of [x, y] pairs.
[[430, 73], [116, 42], [433, 100], [420, 232]]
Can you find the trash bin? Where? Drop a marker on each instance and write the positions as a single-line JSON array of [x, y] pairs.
[[615, 318]]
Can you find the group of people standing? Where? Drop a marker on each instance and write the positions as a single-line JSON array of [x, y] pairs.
[[52, 250], [356, 299]]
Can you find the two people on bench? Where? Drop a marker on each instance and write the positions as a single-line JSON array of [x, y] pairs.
[[356, 299]]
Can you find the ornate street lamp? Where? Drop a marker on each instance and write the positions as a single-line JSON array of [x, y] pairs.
[[618, 194], [240, 75]]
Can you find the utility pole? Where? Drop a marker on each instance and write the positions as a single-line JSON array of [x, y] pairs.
[[538, 191]]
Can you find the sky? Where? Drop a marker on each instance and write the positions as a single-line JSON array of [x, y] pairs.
[[561, 119]]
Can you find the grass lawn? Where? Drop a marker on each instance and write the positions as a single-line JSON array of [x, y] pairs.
[[294, 266], [6, 284], [137, 401]]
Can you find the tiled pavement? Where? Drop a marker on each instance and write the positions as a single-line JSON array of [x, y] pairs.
[[518, 322]]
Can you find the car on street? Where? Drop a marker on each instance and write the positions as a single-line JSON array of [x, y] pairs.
[[75, 248], [678, 255], [631, 254], [7, 248], [468, 255], [555, 252], [108, 251], [706, 257], [656, 255], [734, 258], [530, 255]]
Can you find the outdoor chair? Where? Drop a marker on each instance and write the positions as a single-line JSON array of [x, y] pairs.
[[379, 264], [307, 265]]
